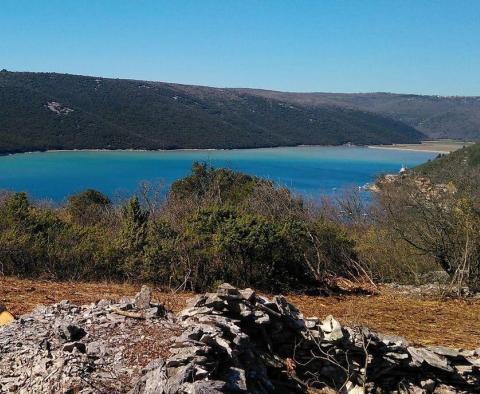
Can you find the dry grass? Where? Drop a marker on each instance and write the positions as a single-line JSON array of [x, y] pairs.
[[22, 295], [453, 323], [449, 322], [155, 342]]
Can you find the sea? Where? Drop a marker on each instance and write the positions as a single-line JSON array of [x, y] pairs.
[[311, 171]]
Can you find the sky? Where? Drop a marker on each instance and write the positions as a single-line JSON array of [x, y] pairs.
[[402, 46]]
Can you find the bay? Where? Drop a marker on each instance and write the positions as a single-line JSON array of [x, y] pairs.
[[310, 171]]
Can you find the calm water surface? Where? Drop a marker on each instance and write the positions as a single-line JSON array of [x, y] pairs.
[[308, 170]]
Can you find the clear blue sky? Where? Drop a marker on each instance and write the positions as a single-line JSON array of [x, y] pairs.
[[407, 46]]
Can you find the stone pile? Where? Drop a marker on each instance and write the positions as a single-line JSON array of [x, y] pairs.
[[231, 340], [236, 341], [65, 348]]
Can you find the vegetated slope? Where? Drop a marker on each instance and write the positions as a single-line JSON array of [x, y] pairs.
[[460, 167], [436, 116], [42, 111]]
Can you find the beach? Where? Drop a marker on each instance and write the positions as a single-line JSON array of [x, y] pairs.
[[443, 146]]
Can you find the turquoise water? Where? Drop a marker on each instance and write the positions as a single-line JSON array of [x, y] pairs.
[[311, 171]]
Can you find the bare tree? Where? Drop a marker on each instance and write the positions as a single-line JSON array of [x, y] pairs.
[[438, 222]]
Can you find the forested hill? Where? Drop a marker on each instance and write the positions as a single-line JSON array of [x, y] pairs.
[[436, 116], [41, 111], [461, 167]]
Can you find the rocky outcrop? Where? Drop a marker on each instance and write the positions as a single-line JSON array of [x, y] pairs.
[[231, 340], [237, 341]]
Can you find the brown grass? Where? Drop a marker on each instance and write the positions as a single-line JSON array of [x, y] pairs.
[[453, 323], [450, 322], [22, 295]]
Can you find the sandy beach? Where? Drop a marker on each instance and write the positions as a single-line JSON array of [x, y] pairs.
[[446, 146]]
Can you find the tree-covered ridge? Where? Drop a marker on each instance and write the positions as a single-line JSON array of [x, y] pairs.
[[436, 116], [43, 111]]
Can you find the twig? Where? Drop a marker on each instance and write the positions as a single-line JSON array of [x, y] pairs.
[[133, 315]]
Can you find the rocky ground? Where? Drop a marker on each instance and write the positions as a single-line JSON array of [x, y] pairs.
[[228, 341], [96, 348], [426, 319]]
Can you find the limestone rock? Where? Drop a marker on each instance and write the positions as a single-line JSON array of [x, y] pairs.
[[236, 380], [331, 329], [69, 348], [247, 294], [70, 332], [422, 355], [143, 298], [226, 290], [263, 330], [229, 341]]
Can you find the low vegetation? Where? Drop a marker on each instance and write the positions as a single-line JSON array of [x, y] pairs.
[[218, 225], [214, 225], [460, 168]]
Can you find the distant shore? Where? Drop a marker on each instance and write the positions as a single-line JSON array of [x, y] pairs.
[[440, 146]]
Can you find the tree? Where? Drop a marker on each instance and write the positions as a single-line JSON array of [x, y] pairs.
[[86, 207], [437, 222], [160, 254], [16, 207], [217, 185], [133, 236]]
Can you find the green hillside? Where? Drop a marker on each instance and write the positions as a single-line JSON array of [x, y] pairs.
[[43, 111], [460, 167], [455, 117]]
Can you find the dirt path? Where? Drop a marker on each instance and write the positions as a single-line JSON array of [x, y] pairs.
[[453, 323]]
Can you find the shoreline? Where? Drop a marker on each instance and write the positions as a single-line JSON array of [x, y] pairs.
[[433, 146], [444, 151], [403, 147]]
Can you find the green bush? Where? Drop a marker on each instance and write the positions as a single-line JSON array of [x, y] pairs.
[[214, 225], [87, 207]]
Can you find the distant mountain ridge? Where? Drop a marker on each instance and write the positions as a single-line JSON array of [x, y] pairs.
[[41, 111], [455, 117]]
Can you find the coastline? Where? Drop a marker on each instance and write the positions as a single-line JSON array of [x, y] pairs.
[[426, 146], [180, 149], [408, 149], [434, 146], [112, 150]]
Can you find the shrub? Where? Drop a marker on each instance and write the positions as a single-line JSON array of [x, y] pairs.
[[214, 225], [439, 223], [87, 207]]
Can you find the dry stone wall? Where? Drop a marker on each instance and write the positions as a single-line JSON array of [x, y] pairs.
[[236, 341], [231, 340]]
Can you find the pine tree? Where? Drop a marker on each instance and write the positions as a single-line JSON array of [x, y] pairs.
[[133, 236]]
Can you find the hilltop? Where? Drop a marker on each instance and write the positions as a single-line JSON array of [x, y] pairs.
[[43, 111]]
